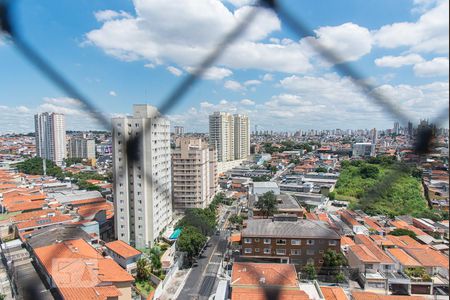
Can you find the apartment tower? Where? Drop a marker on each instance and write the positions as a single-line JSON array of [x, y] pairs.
[[50, 136], [194, 173], [142, 185], [230, 134], [81, 148]]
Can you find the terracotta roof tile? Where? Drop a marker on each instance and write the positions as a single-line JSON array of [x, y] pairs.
[[333, 293], [122, 248], [402, 257]]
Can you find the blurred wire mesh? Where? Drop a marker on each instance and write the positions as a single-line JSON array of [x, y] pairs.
[[295, 23]]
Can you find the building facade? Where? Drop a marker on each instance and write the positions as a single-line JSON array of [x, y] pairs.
[[230, 134], [81, 148], [194, 174], [287, 239], [179, 130], [142, 185], [363, 150], [50, 136]]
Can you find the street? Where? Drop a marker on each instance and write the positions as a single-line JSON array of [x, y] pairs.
[[202, 281]]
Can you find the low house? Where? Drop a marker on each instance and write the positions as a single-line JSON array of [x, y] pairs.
[[123, 254], [77, 271]]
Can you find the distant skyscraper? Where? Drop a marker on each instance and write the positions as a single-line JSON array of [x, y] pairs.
[[221, 135], [194, 173], [179, 130], [410, 129], [81, 148], [374, 136], [50, 136], [230, 134], [241, 136], [142, 188], [397, 128]]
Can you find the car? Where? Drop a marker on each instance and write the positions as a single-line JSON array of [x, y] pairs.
[[217, 232]]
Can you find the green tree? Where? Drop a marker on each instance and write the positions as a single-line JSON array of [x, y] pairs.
[[321, 170], [310, 272], [72, 161], [402, 231], [202, 219], [190, 241], [332, 195], [369, 171], [333, 261], [35, 166], [267, 204], [142, 269], [155, 259], [340, 277]]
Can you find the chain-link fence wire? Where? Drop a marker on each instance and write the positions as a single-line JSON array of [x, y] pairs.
[[424, 137]]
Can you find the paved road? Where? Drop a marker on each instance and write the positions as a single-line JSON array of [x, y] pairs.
[[202, 281]]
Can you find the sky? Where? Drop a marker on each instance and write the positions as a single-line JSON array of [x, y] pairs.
[[119, 53]]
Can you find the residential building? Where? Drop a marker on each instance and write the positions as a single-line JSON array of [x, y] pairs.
[[81, 148], [179, 130], [241, 136], [230, 134], [123, 254], [221, 135], [363, 150], [50, 136], [77, 271], [142, 185], [265, 281], [287, 239], [194, 173]]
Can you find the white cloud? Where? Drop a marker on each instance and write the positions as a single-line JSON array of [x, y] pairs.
[[348, 41], [240, 3], [428, 34], [247, 102], [107, 15], [213, 73], [150, 66], [233, 85], [267, 77], [438, 66], [252, 82], [113, 93], [287, 100], [398, 61], [175, 71]]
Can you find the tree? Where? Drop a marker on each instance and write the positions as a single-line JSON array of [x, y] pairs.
[[190, 241], [333, 261], [72, 161], [310, 272], [155, 259], [402, 231], [236, 220], [340, 277], [321, 170], [142, 269], [369, 171], [202, 219], [267, 204], [35, 166], [332, 195]]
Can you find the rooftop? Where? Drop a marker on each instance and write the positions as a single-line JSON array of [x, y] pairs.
[[122, 248], [288, 229]]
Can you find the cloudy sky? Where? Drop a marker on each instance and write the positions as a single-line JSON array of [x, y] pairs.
[[123, 52]]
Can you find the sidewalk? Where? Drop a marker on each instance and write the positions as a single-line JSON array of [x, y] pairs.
[[174, 286]]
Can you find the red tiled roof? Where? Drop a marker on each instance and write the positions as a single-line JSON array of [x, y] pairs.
[[403, 258], [250, 274], [333, 293], [122, 248], [372, 296]]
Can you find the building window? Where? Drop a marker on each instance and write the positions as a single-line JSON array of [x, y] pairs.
[[310, 252], [309, 242], [281, 251], [296, 242], [296, 252], [256, 249], [266, 241], [256, 240], [281, 242], [266, 250], [332, 243], [320, 251], [247, 241], [248, 250]]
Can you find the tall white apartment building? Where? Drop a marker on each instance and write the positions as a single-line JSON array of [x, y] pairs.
[[81, 148], [194, 173], [142, 186], [50, 136], [241, 136], [230, 134]]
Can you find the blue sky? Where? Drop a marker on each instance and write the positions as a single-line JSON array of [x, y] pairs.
[[124, 52]]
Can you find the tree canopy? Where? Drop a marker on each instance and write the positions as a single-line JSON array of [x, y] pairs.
[[191, 241], [401, 232], [267, 204]]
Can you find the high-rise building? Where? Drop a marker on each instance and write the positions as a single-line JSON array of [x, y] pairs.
[[397, 128], [374, 136], [50, 136], [194, 173], [179, 130], [230, 134], [241, 136], [221, 135], [142, 185], [363, 150], [81, 148]]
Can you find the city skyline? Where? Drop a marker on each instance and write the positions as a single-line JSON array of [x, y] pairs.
[[297, 91]]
